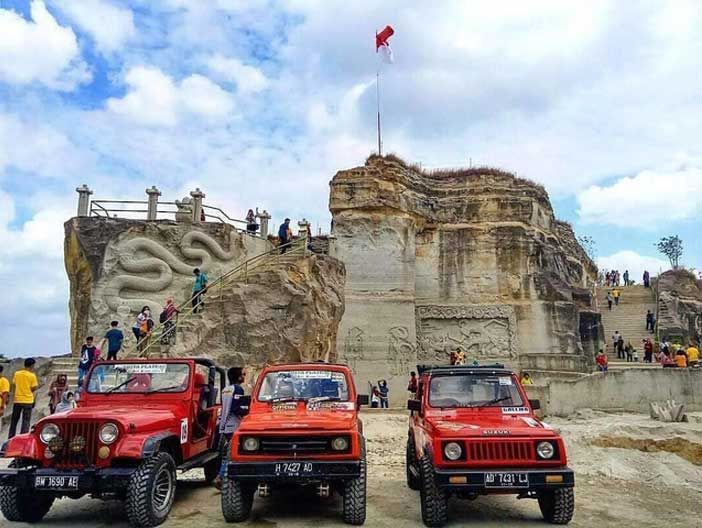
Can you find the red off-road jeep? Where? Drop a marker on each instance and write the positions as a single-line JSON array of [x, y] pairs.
[[473, 432], [302, 428], [137, 422]]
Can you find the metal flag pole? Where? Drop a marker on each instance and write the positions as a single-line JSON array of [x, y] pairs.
[[377, 85]]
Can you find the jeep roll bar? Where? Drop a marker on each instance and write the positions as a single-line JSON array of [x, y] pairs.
[[457, 369]]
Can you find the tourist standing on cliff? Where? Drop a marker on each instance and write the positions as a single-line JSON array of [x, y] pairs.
[[26, 384], [232, 413], [647, 279], [626, 278], [284, 235], [251, 225], [199, 287], [114, 338]]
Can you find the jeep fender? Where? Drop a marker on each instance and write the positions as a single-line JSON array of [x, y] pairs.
[[140, 446], [22, 446]]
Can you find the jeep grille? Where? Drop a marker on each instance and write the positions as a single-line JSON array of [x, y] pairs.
[[501, 451], [298, 445], [71, 433]]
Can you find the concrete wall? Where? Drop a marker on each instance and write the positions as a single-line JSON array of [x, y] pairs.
[[629, 390]]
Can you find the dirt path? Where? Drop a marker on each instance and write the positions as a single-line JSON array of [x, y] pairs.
[[614, 486]]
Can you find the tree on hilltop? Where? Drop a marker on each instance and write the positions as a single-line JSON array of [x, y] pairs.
[[671, 247]]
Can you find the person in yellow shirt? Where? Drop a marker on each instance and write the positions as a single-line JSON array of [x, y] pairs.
[[4, 392], [25, 382], [526, 379], [693, 356]]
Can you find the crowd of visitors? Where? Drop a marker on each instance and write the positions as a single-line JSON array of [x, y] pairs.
[[615, 279]]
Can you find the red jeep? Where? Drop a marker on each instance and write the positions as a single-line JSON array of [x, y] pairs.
[[302, 428], [473, 432], [137, 422]]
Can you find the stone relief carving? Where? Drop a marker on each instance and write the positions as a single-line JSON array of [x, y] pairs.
[[482, 332], [400, 351], [162, 263], [353, 347]]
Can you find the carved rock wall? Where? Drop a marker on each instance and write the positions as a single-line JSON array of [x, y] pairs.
[[679, 306], [471, 260], [115, 266]]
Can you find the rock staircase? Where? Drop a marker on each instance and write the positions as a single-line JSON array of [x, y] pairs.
[[629, 318]]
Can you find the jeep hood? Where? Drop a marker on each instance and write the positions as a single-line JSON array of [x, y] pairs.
[[299, 420], [144, 417], [452, 423]]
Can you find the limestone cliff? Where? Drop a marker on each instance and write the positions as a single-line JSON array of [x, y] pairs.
[[679, 305], [468, 259], [116, 265]]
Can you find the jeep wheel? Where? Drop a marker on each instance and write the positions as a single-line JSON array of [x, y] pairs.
[[354, 496], [433, 500], [237, 499], [23, 505], [411, 468], [151, 491], [557, 506]]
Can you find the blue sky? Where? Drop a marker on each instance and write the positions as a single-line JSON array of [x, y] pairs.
[[260, 102]]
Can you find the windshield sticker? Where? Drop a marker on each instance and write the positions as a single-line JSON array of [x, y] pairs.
[[505, 380], [343, 406], [313, 374], [286, 406], [515, 410], [143, 368]]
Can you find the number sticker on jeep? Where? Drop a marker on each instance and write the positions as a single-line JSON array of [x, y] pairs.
[[143, 368], [184, 431], [515, 410]]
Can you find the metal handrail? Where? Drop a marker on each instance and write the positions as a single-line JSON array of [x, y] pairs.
[[187, 308]]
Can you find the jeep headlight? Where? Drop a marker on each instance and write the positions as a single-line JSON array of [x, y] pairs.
[[545, 450], [49, 432], [340, 443], [250, 444], [108, 433], [453, 451]]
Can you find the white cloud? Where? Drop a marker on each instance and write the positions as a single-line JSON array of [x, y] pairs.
[[248, 79], [635, 263], [646, 201], [39, 51], [156, 99], [109, 25]]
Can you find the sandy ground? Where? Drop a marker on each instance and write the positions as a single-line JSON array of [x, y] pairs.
[[615, 486]]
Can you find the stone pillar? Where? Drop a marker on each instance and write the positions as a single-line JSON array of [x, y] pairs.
[[152, 209], [197, 195], [83, 200], [263, 219], [304, 227]]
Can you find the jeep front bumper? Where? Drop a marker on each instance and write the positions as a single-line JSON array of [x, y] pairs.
[[293, 470], [68, 482], [505, 480]]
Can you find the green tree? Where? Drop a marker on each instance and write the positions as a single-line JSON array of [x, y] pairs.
[[671, 247], [589, 245]]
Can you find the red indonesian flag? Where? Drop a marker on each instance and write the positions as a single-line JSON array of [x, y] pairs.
[[382, 45]]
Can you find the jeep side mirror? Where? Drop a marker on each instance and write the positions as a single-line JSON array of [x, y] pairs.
[[535, 404], [362, 399], [414, 405]]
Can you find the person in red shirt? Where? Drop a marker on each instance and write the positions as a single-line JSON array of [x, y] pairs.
[[602, 361], [412, 385]]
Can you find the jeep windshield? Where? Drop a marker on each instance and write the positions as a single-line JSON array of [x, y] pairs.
[[304, 385], [143, 378], [474, 390]]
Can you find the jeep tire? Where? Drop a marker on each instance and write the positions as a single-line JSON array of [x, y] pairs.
[[411, 467], [237, 499], [557, 506], [151, 491], [21, 505], [354, 495], [433, 500]]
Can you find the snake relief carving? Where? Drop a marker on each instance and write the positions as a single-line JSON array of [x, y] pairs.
[[154, 273]]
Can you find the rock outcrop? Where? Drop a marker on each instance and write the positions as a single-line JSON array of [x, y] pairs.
[[679, 306], [116, 265], [468, 259]]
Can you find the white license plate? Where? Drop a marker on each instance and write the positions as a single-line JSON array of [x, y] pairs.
[[506, 480], [56, 482], [294, 469]]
